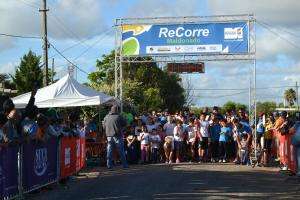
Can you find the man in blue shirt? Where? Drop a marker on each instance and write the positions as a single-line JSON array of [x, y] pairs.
[[214, 132]]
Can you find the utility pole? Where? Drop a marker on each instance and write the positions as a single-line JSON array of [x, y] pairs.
[[297, 98], [43, 11], [52, 72]]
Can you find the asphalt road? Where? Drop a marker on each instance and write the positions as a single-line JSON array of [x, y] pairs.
[[182, 181]]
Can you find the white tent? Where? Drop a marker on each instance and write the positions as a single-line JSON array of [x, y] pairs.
[[66, 92]]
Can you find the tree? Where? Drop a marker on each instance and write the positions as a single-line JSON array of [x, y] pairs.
[[144, 84], [265, 107], [290, 96], [229, 106], [28, 73]]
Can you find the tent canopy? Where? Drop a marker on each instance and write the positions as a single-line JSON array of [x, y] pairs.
[[66, 92]]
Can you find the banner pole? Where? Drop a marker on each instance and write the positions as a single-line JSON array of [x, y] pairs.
[[20, 175]]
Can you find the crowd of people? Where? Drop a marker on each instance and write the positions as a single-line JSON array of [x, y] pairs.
[[32, 124], [208, 137], [158, 136]]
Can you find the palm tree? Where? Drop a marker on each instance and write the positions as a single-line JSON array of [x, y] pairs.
[[290, 96]]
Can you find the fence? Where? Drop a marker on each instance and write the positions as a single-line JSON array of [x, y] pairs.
[[33, 165]]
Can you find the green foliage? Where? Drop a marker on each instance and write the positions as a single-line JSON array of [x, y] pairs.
[[152, 99], [290, 96], [265, 107], [28, 73], [144, 85], [230, 105]]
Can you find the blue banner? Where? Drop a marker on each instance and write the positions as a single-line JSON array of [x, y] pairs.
[[39, 164], [9, 172], [206, 38]]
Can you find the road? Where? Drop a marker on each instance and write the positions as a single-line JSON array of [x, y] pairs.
[[182, 181]]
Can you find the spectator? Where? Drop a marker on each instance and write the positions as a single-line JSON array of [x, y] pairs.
[[178, 139], [203, 137], [113, 124]]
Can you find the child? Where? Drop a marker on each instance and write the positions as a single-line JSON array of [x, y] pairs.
[[168, 148], [162, 135], [132, 153], [244, 149], [155, 143], [203, 144], [145, 143], [225, 131], [192, 139]]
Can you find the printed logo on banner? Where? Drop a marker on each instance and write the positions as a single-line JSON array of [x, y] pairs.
[[40, 161], [233, 33], [67, 156]]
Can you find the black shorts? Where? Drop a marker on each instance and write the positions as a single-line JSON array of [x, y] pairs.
[[204, 143]]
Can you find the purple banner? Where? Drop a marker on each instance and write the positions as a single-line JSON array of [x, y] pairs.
[[39, 164], [9, 172]]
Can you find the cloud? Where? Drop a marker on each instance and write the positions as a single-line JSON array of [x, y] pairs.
[[277, 12], [66, 19], [155, 8], [8, 68]]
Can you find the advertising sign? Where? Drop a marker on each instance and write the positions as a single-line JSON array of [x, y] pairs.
[[9, 171], [186, 67], [205, 38], [39, 163]]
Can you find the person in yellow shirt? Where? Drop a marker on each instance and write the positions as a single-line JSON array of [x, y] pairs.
[[268, 139]]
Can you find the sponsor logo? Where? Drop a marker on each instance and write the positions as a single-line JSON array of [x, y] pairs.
[[188, 49], [233, 33], [163, 49], [201, 48], [40, 161], [67, 156], [177, 49]]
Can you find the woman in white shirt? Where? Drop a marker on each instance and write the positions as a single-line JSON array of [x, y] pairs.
[[192, 138], [145, 144]]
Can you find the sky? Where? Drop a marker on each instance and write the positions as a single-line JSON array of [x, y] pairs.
[[87, 27]]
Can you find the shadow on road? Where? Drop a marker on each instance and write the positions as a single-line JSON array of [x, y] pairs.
[[178, 182]]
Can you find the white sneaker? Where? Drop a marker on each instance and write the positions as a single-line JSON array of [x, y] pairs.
[[220, 161], [285, 168], [170, 162], [224, 161]]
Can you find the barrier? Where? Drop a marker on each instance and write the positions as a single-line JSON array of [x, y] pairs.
[[80, 155], [39, 164], [8, 172], [67, 157]]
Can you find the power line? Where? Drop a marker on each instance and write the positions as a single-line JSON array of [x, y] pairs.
[[282, 29], [279, 36], [67, 59], [19, 36], [32, 5], [92, 45], [220, 96]]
